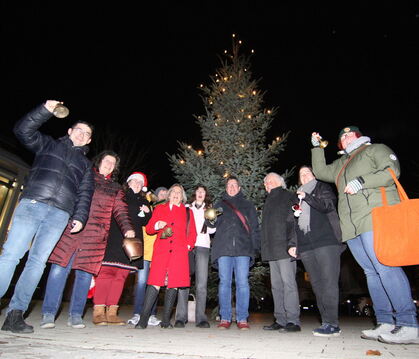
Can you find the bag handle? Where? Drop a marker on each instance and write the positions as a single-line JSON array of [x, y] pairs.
[[402, 193], [400, 189]]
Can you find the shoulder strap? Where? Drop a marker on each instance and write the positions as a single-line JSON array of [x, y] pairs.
[[347, 162], [239, 214]]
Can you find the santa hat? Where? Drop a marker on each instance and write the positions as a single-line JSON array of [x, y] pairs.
[[139, 176]]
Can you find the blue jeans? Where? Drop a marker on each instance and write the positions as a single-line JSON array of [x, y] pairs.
[[57, 279], [201, 280], [142, 276], [240, 266], [37, 223], [388, 286]]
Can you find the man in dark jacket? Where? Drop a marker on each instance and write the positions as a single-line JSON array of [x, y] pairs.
[[59, 187], [235, 245], [277, 229]]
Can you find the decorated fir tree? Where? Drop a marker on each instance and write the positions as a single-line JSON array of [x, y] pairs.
[[235, 131]]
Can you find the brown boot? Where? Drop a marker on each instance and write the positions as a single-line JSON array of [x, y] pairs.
[[112, 315], [99, 317]]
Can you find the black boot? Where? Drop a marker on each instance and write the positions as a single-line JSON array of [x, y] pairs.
[[149, 300], [14, 322], [169, 300]]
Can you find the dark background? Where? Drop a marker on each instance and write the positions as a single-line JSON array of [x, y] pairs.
[[137, 68]]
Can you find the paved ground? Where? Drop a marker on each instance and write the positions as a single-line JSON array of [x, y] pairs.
[[191, 342]]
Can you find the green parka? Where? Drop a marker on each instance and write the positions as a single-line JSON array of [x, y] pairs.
[[369, 164]]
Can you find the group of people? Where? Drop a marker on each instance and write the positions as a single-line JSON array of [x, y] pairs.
[[75, 215]]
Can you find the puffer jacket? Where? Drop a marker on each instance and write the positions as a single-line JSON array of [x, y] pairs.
[[61, 175], [89, 245], [231, 238], [370, 165]]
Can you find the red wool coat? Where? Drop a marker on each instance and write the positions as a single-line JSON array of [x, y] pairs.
[[170, 255], [90, 244]]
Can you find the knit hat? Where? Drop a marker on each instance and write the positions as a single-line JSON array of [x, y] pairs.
[[158, 189], [139, 176], [349, 129]]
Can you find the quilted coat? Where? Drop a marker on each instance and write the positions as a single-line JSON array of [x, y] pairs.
[[61, 175], [89, 245]]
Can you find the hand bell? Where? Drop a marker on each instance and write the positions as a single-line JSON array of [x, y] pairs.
[[167, 232], [323, 143], [60, 111], [212, 213]]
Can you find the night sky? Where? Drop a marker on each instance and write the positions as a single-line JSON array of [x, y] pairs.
[[325, 65]]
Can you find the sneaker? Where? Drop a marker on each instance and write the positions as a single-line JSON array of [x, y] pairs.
[[76, 323], [380, 328], [224, 324], [134, 320], [400, 335], [243, 325], [153, 320], [47, 321], [326, 330]]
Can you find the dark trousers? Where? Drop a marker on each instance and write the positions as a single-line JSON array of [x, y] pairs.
[[323, 267]]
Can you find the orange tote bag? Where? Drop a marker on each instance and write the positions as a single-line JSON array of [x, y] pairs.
[[396, 229]]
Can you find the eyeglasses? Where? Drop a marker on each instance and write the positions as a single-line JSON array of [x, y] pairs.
[[86, 134]]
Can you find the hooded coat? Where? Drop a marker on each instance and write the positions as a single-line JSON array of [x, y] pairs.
[[369, 164]]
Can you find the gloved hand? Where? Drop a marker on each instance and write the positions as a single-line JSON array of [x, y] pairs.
[[315, 139], [353, 186]]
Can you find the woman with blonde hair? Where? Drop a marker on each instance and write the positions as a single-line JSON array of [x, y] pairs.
[[176, 234]]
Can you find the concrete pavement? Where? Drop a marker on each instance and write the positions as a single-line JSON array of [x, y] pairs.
[[192, 343]]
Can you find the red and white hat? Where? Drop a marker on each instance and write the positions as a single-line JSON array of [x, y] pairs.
[[139, 176]]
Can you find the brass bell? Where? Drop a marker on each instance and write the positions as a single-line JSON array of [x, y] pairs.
[[60, 111], [212, 213], [167, 232], [323, 143], [151, 197]]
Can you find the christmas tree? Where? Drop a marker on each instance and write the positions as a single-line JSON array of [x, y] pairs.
[[234, 133]]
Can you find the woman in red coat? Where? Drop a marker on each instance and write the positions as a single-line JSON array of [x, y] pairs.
[[170, 264], [84, 251]]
